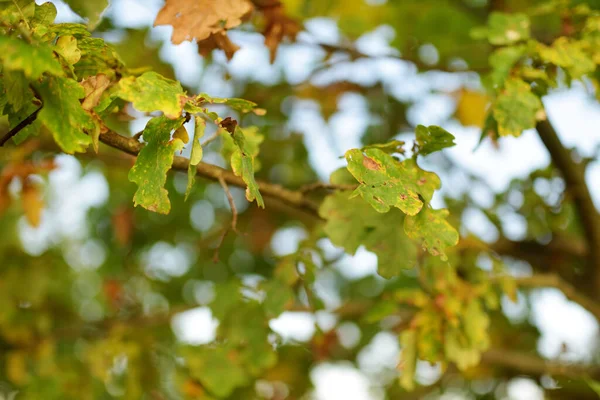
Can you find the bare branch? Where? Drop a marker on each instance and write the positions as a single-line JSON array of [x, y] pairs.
[[534, 365], [570, 292], [574, 176], [292, 198], [14, 131]]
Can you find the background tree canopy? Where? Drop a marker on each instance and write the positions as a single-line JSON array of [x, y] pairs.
[[302, 199]]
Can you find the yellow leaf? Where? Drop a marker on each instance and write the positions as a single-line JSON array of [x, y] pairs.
[[182, 134], [471, 108], [32, 203]]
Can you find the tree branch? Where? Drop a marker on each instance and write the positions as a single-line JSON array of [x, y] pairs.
[[570, 292], [534, 365], [574, 176], [214, 173], [27, 121]]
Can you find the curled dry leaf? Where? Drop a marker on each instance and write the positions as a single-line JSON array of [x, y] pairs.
[[94, 86], [207, 21], [278, 27], [218, 40]]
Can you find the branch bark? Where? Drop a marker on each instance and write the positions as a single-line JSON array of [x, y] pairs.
[[214, 173], [534, 365], [574, 176], [570, 292]]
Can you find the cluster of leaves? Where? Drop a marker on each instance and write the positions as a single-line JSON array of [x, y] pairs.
[[61, 81]]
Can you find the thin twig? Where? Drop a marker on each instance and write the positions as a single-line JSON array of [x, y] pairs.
[[234, 212], [221, 240], [27, 121], [212, 138]]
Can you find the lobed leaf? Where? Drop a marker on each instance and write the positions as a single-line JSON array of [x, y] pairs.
[[433, 138], [385, 182], [152, 92], [63, 115], [505, 29], [89, 9], [432, 230], [351, 222], [196, 153], [153, 162], [34, 61], [242, 147], [516, 108]]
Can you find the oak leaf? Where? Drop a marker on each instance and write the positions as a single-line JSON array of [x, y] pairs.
[[207, 21]]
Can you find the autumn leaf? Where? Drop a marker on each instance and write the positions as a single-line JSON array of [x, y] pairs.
[[431, 228], [61, 98], [278, 27], [352, 222], [154, 161], [241, 148], [471, 108], [384, 182], [153, 92], [516, 108], [17, 55], [33, 204], [94, 87], [207, 21], [196, 154]]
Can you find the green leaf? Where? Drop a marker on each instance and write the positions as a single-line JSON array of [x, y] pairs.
[[458, 349], [516, 108], [89, 9], [505, 29], [152, 92], [16, 55], [391, 147], [384, 182], [502, 61], [433, 138], [44, 16], [431, 229], [66, 46], [594, 385], [351, 222], [241, 148], [152, 164], [408, 343], [569, 55], [17, 89], [12, 12], [241, 105], [77, 30], [278, 297], [476, 324], [63, 115], [218, 369], [196, 153]]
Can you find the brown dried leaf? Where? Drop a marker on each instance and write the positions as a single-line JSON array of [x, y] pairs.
[[279, 26], [94, 86], [217, 41], [207, 21]]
